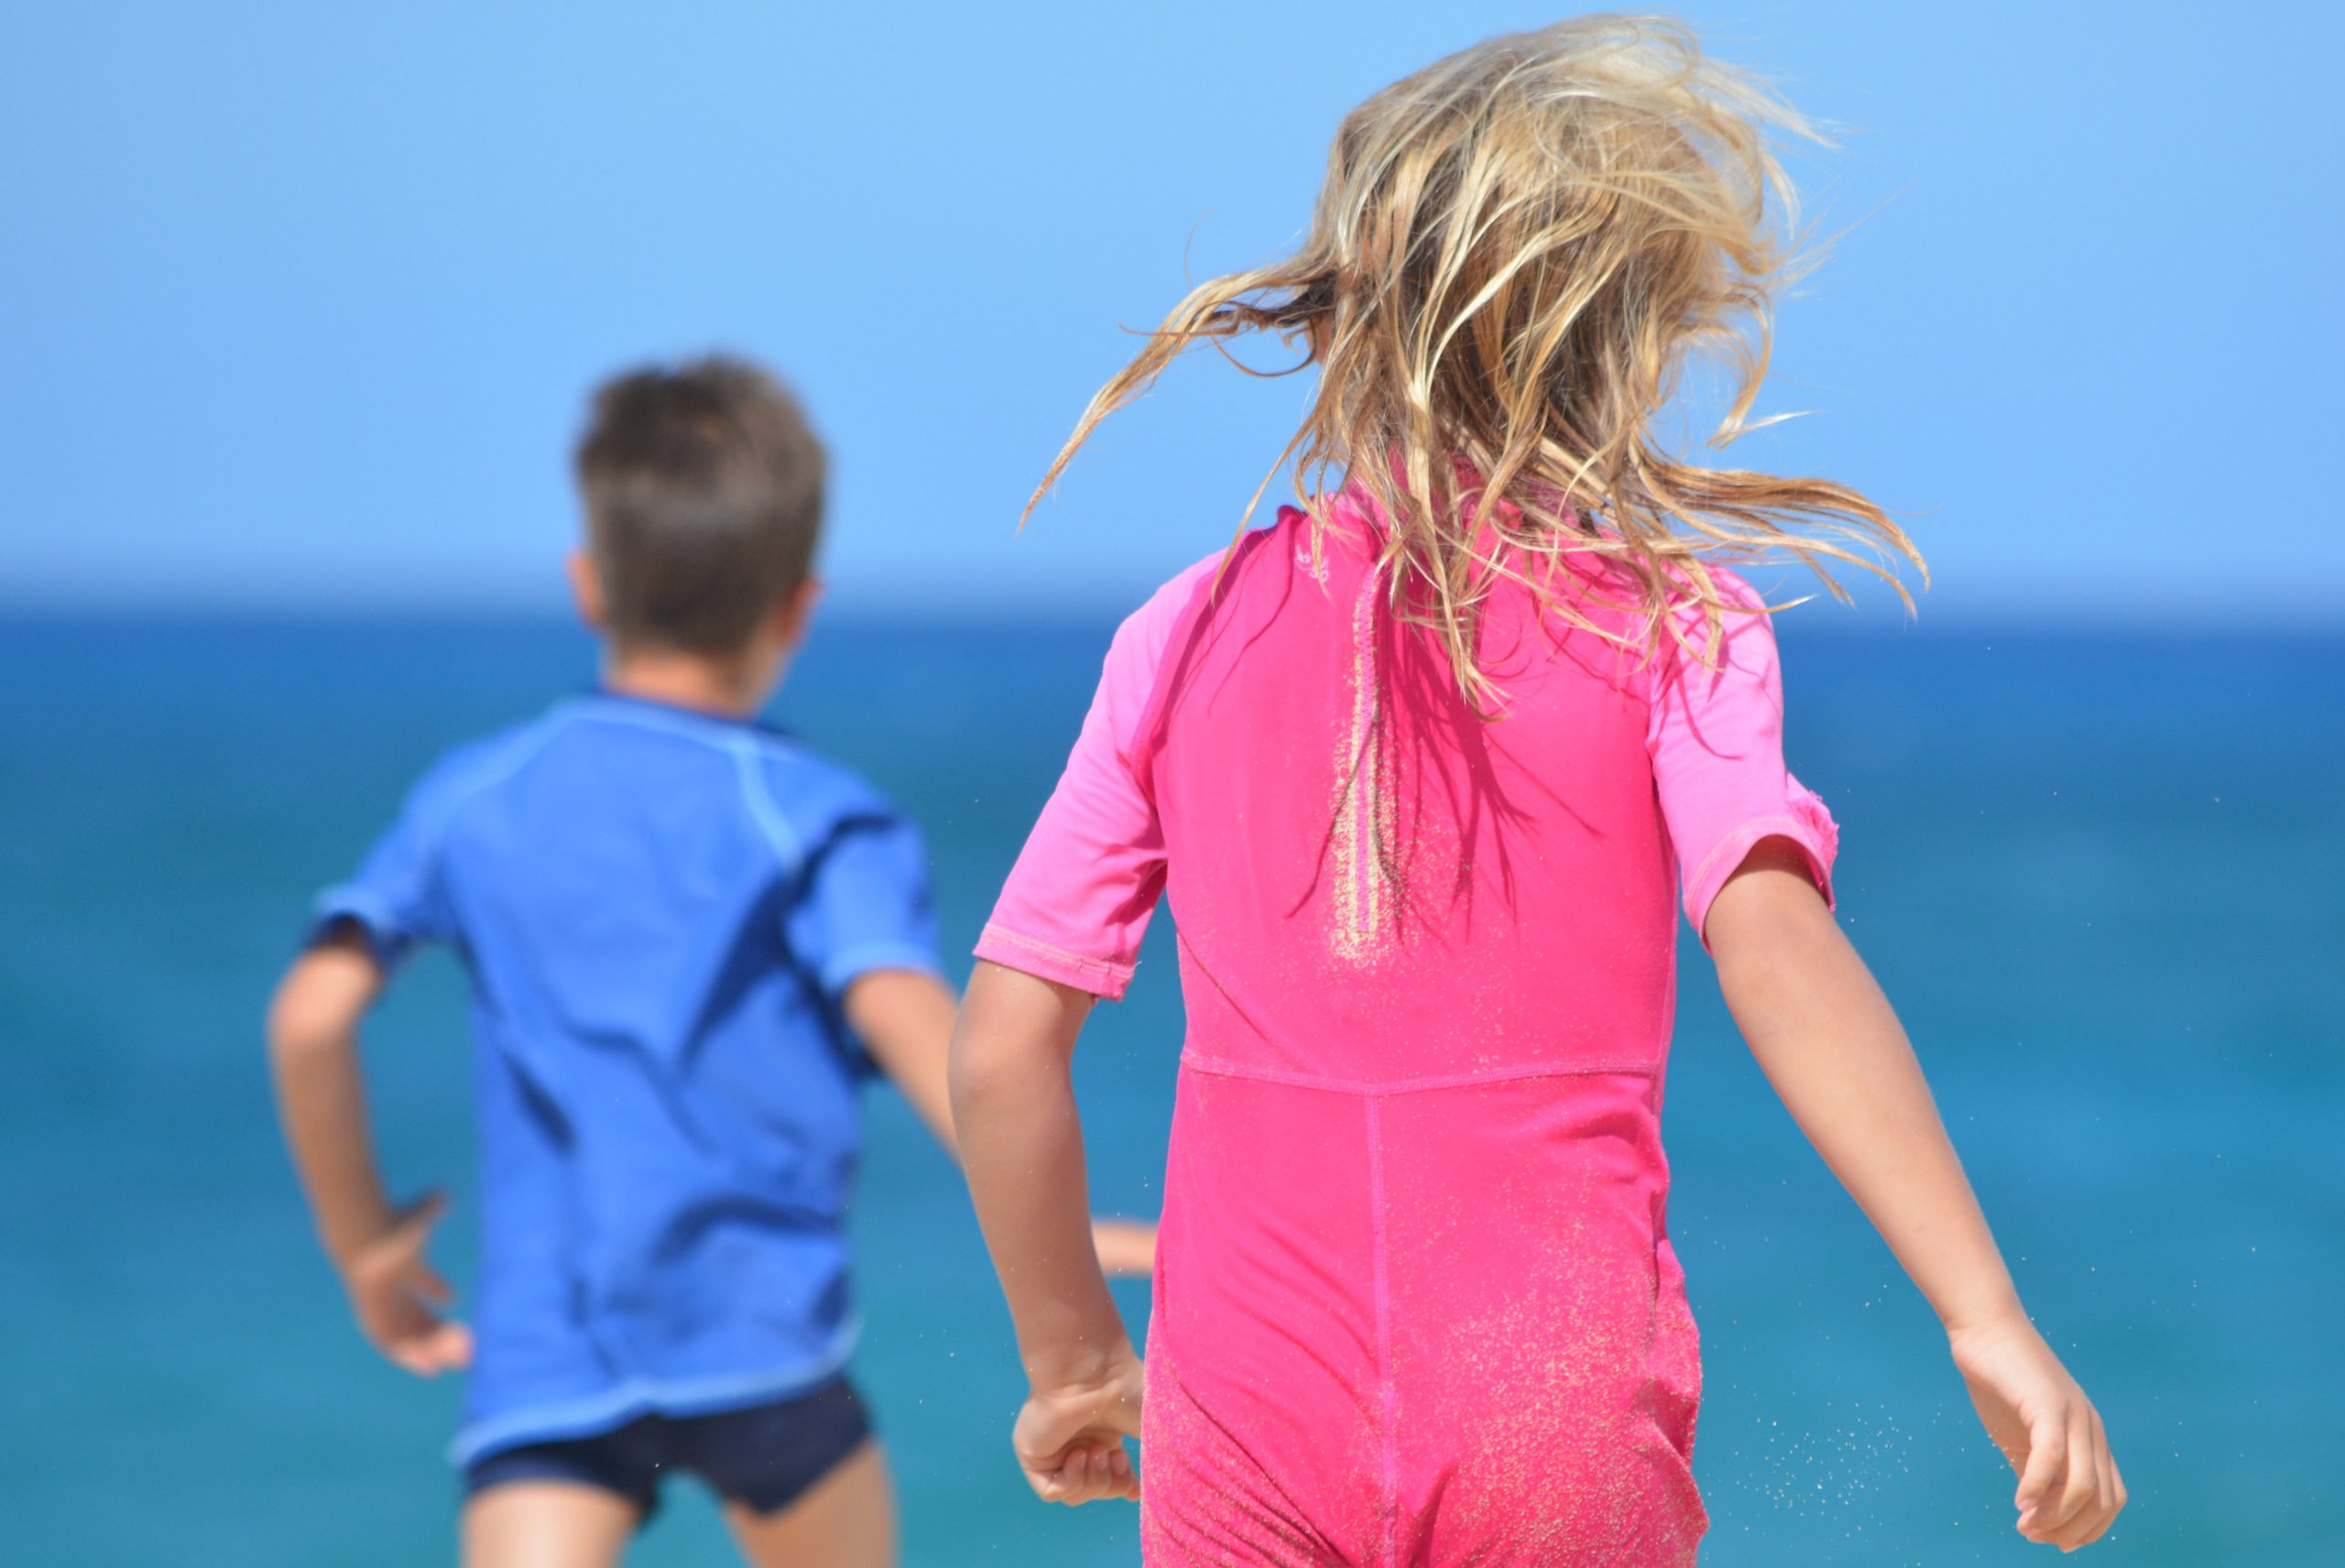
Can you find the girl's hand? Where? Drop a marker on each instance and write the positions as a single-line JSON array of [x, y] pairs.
[[2068, 1487], [1070, 1439], [393, 1291]]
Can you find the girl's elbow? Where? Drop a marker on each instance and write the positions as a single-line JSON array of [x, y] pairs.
[[990, 1068], [1762, 965], [977, 1075]]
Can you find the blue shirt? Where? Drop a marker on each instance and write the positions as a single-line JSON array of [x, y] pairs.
[[660, 913]]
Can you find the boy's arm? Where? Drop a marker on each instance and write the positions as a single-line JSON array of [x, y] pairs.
[[321, 1099], [1833, 1048], [905, 1018]]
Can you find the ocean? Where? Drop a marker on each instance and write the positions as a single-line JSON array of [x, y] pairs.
[[2101, 874]]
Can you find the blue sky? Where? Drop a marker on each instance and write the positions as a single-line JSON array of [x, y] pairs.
[[298, 304]]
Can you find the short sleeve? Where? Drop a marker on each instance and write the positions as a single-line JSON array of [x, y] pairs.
[[1080, 897], [1716, 735], [397, 900], [866, 905]]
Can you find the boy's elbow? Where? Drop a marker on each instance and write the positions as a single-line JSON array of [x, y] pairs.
[[297, 1028], [317, 1007]]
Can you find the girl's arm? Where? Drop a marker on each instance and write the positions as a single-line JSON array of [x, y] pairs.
[[1832, 1046], [377, 1249], [905, 1018], [1022, 1145]]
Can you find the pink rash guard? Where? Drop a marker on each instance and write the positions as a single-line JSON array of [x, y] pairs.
[[1415, 1303]]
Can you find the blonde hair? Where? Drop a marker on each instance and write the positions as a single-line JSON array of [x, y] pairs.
[[1513, 254]]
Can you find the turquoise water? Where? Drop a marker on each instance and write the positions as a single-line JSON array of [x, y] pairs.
[[2100, 875]]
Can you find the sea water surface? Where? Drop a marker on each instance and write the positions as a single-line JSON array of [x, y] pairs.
[[2100, 872]]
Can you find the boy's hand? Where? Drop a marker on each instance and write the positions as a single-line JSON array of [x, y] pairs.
[[2068, 1487], [1127, 1248], [1070, 1439], [393, 1291]]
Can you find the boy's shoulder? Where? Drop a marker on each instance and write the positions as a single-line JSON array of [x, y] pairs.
[[800, 797], [818, 795], [471, 767]]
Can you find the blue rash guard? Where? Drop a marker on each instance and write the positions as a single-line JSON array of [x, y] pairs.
[[660, 913]]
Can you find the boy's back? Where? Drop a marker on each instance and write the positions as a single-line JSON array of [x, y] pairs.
[[661, 910], [684, 933]]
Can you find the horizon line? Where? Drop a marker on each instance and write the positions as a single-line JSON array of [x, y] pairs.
[[1817, 613]]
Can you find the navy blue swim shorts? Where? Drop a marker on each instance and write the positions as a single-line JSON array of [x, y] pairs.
[[765, 1457]]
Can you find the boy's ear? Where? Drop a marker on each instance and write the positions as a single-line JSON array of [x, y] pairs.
[[586, 588], [794, 615]]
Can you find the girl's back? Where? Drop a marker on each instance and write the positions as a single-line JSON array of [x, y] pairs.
[[1374, 882], [1418, 769], [1426, 957]]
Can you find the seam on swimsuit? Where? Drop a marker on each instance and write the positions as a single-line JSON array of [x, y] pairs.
[[1359, 799], [1222, 1068], [749, 764], [1102, 968], [1386, 1394]]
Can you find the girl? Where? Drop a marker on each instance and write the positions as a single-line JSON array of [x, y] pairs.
[[1419, 765]]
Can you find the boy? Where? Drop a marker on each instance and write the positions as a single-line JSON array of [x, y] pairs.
[[684, 933]]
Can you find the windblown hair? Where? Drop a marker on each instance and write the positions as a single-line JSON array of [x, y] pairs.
[[1514, 253]]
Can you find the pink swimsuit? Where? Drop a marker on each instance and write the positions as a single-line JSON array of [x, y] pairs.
[[1415, 1298]]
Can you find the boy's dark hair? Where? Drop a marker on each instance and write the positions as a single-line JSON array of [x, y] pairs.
[[704, 492]]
